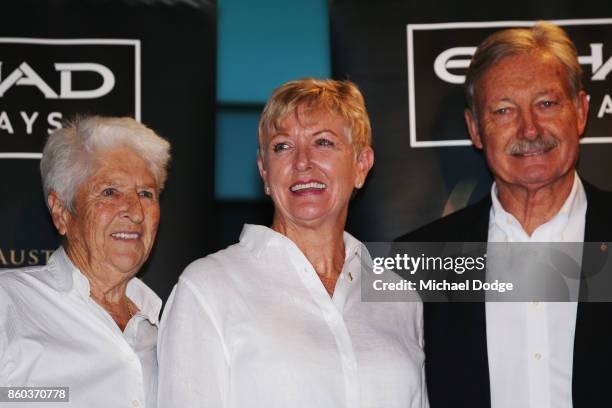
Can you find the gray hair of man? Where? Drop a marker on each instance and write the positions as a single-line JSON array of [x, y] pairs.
[[70, 152], [543, 37]]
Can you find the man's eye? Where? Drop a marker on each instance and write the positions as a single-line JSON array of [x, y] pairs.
[[501, 111], [279, 147], [146, 194], [109, 192], [547, 104], [324, 142]]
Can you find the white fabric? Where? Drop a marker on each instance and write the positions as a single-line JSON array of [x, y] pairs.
[[530, 345], [53, 334], [253, 326]]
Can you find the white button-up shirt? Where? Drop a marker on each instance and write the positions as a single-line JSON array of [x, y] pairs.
[[530, 345], [52, 333], [253, 326]]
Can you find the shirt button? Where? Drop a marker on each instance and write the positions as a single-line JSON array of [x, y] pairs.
[[135, 403], [537, 356]]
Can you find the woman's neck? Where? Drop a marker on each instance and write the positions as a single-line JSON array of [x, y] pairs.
[[322, 245]]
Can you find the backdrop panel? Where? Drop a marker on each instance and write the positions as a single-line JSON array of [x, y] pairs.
[[152, 60], [410, 59]]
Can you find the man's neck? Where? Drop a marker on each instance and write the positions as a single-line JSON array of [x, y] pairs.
[[533, 207]]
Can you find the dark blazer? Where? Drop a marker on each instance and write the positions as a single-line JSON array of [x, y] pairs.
[[456, 361]]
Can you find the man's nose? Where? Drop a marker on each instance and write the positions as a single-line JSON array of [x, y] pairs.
[[530, 127]]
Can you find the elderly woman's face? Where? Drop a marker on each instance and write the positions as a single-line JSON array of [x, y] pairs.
[[311, 168], [116, 214]]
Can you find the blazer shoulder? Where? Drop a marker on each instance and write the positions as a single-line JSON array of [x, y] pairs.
[[597, 198], [468, 224], [598, 223]]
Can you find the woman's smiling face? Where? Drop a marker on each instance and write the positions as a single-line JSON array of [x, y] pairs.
[[116, 214], [311, 168]]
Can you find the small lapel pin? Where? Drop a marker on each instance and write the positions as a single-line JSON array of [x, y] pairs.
[[603, 246]]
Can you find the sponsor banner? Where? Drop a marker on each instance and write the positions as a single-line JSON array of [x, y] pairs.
[[43, 81], [439, 55], [154, 61], [410, 60]]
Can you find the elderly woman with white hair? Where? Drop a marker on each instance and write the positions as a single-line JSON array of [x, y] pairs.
[[83, 321]]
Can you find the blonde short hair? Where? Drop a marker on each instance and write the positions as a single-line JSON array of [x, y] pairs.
[[542, 37], [340, 97]]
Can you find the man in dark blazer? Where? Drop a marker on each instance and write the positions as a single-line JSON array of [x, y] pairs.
[[527, 111]]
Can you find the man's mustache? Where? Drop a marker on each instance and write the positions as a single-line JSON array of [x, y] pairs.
[[541, 144]]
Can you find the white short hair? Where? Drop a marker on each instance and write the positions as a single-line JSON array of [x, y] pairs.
[[70, 152]]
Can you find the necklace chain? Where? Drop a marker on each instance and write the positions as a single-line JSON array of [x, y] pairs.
[[128, 305]]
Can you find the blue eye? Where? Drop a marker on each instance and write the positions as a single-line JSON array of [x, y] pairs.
[[279, 147], [109, 192], [146, 194], [547, 104], [324, 142]]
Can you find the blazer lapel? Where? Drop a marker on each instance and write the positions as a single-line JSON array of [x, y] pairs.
[[457, 365]]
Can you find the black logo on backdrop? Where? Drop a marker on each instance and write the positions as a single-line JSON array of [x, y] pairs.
[[438, 57], [43, 81]]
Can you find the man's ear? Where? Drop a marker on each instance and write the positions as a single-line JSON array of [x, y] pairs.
[[262, 171], [582, 111], [59, 213], [472, 125]]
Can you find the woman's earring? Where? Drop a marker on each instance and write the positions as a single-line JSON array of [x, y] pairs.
[[267, 189]]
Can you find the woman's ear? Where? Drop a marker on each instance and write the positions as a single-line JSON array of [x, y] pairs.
[[365, 161], [59, 213], [262, 171]]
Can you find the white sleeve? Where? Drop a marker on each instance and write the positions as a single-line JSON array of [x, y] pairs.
[[424, 395], [193, 362]]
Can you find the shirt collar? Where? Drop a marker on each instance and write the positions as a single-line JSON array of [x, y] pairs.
[[572, 207], [64, 276], [258, 239], [147, 301]]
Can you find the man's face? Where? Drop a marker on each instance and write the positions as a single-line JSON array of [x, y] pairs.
[[527, 123]]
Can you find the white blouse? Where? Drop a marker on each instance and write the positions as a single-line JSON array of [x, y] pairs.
[[253, 326], [53, 334]]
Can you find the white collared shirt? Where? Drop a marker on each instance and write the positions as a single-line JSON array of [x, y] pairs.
[[52, 333], [253, 326], [530, 345]]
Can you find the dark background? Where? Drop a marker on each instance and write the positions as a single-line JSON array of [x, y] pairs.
[[412, 186], [408, 186], [178, 43]]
